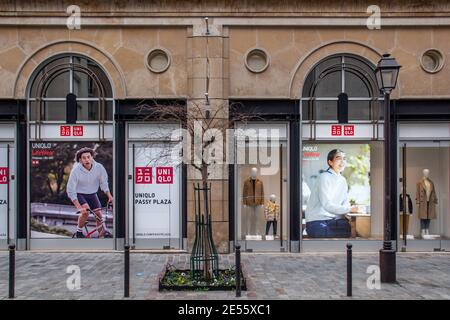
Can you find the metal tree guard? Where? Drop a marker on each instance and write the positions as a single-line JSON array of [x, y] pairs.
[[204, 254]]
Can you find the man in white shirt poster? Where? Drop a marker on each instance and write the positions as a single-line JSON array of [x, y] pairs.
[[328, 203], [86, 177]]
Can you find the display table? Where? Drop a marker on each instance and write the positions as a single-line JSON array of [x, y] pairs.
[[360, 224]]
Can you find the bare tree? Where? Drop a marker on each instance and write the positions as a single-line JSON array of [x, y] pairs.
[[197, 120]]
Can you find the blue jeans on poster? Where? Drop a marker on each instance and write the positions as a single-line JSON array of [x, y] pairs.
[[333, 228]]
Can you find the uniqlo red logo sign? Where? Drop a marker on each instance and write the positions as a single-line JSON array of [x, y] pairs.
[[3, 175], [349, 130], [336, 130], [77, 131], [143, 175], [164, 175], [65, 131]]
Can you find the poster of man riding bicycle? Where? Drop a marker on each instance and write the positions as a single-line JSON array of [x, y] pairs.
[[71, 190]]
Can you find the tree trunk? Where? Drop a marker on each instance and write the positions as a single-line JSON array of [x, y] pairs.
[[207, 273]]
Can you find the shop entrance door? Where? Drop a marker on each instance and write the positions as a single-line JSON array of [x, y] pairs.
[[7, 194], [154, 188], [262, 189], [424, 219]]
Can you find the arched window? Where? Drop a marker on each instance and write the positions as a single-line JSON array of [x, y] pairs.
[[337, 74], [70, 74]]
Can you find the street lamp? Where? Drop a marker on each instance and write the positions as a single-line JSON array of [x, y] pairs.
[[387, 74]]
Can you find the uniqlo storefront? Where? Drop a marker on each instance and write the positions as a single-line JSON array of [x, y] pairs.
[[134, 187], [7, 184], [155, 186], [70, 109], [361, 147], [424, 184], [339, 115]]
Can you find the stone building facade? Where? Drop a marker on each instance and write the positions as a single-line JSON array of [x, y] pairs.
[[245, 51]]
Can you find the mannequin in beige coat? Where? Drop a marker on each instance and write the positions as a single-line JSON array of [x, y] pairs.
[[427, 200]]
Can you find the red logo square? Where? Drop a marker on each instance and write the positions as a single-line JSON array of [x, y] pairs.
[[64, 131], [78, 131], [143, 175], [349, 130], [3, 175], [164, 175], [336, 130]]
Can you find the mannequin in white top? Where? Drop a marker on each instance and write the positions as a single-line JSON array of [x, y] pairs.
[[426, 181], [253, 173]]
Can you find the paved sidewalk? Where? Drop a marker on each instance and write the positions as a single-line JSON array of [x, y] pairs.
[[270, 276]]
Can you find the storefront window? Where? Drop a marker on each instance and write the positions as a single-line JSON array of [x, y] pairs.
[[262, 171], [70, 74], [68, 176], [6, 167], [156, 192], [342, 190], [154, 185], [424, 214]]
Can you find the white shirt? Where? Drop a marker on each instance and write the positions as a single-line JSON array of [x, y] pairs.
[[329, 198], [82, 180], [306, 191]]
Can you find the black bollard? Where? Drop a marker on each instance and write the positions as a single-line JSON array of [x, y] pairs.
[[12, 270], [349, 269], [238, 270], [127, 272]]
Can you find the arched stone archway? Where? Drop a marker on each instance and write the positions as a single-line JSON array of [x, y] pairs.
[[30, 65], [319, 53]]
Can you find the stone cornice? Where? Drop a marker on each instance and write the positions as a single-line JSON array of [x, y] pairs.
[[224, 21], [251, 6], [242, 8]]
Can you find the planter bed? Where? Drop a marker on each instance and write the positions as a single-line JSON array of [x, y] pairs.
[[180, 280]]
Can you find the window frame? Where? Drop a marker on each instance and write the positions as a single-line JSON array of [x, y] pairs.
[[108, 98], [354, 64]]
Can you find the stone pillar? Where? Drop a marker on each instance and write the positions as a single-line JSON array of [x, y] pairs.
[[208, 73]]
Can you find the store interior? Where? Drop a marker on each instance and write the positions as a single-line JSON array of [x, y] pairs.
[[262, 189], [425, 160]]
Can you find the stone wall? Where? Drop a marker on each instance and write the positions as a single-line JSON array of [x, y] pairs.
[[292, 51]]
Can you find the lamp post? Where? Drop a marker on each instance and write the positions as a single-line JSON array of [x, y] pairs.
[[386, 75]]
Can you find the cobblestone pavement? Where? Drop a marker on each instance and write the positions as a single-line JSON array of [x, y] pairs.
[[42, 275]]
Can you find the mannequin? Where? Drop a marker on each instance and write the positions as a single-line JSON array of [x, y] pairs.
[[427, 200], [252, 197], [253, 173], [272, 214], [406, 209]]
